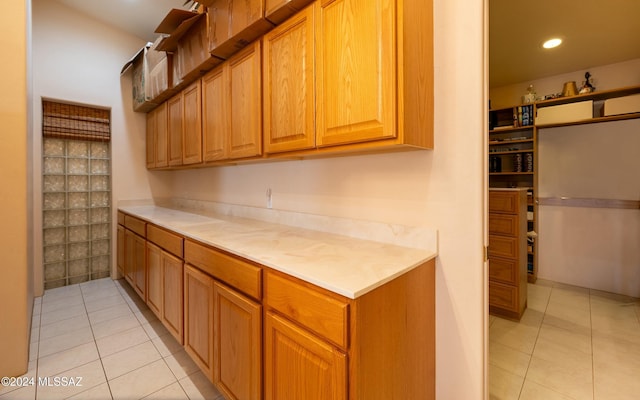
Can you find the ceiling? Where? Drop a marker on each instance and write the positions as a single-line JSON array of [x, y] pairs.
[[595, 32], [138, 17]]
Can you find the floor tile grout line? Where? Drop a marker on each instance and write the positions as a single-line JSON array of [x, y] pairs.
[[95, 342], [526, 372]]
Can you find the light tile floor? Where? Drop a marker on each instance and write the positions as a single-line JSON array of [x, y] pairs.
[[102, 331], [571, 344]]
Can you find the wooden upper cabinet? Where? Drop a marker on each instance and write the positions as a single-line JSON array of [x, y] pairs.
[[245, 76], [215, 114], [298, 365], [288, 85], [233, 24], [162, 145], [175, 127], [192, 131], [356, 70], [277, 11], [151, 140]]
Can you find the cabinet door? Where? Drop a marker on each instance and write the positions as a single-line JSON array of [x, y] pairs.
[[237, 333], [192, 133], [120, 250], [245, 76], [355, 71], [174, 129], [301, 366], [215, 114], [198, 318], [151, 140], [140, 266], [154, 275], [288, 85], [129, 253], [162, 145], [172, 296]]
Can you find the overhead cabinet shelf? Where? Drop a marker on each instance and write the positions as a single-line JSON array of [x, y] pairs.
[[303, 89]]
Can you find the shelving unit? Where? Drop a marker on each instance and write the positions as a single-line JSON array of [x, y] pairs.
[[513, 163], [508, 139]]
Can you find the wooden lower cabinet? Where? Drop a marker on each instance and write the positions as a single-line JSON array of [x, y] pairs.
[[128, 257], [257, 333], [299, 365], [172, 295], [140, 266], [237, 344], [154, 276], [120, 250], [135, 262], [198, 318]]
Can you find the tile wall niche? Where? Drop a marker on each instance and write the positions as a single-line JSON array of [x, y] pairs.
[[76, 211]]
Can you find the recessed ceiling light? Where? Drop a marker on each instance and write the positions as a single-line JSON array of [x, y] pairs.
[[551, 43]]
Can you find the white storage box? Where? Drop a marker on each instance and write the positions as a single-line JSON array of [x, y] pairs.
[[563, 113], [622, 105]]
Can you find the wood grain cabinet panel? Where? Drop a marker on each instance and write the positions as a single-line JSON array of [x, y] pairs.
[[245, 75], [215, 114], [120, 250], [151, 140], [355, 74], [289, 98], [154, 279], [236, 272], [140, 266], [507, 252], [166, 240], [320, 313], [198, 318], [129, 252], [172, 295], [192, 132], [237, 348], [301, 366], [175, 128], [161, 136], [157, 146]]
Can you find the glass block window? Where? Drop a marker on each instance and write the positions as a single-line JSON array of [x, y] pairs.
[[76, 206]]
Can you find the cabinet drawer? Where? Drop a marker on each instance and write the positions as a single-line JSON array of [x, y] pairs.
[[503, 296], [503, 270], [320, 313], [504, 202], [136, 225], [233, 271], [168, 241], [503, 224], [120, 218], [502, 246]]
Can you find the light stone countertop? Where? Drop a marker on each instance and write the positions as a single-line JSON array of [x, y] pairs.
[[344, 265]]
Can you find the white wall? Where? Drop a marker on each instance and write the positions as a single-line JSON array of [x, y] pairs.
[[78, 59], [442, 189], [590, 247]]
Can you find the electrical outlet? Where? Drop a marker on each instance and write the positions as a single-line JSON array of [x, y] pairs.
[[269, 199]]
